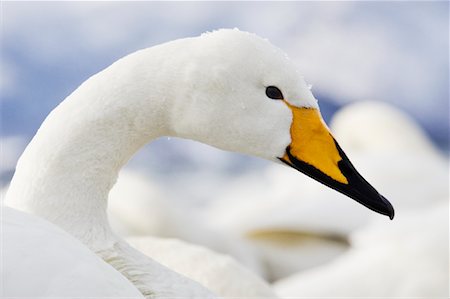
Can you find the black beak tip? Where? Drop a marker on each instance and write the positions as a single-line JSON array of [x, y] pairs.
[[374, 201], [388, 208]]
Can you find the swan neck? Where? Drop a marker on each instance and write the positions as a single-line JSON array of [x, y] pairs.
[[68, 169]]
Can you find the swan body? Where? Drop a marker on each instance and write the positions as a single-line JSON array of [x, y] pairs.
[[230, 89], [41, 259]]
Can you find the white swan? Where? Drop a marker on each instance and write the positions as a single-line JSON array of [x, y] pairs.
[[229, 89]]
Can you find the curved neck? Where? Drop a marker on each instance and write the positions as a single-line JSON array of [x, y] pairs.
[[68, 169]]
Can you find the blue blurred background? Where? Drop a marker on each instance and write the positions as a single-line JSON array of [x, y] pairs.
[[395, 52], [390, 51]]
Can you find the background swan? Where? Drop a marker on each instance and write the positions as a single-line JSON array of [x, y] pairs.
[[219, 273], [385, 261], [138, 208]]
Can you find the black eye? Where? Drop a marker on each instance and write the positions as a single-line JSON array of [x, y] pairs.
[[274, 93]]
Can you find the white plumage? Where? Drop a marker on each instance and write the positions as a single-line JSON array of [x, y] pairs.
[[40, 259]]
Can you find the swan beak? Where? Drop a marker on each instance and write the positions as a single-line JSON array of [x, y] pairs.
[[314, 152]]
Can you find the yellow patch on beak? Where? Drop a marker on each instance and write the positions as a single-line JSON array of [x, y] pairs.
[[313, 144]]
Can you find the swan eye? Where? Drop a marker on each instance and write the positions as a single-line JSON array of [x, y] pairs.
[[274, 93]]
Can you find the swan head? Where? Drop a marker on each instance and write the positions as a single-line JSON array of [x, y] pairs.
[[240, 93]]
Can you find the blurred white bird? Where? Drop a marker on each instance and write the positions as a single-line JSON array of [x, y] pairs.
[[396, 155], [405, 259], [219, 273], [137, 207]]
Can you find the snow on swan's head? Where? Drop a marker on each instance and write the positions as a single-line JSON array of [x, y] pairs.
[[240, 93]]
